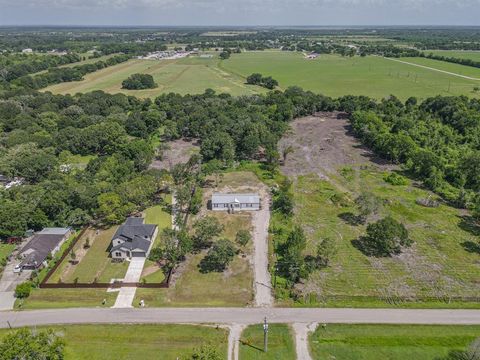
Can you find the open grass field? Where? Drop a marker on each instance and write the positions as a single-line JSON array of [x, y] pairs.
[[66, 298], [280, 343], [336, 76], [331, 75], [393, 342], [328, 176], [94, 262], [446, 66], [184, 76], [473, 55], [137, 342]]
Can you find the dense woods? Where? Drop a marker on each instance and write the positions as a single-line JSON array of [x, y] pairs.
[[139, 82]]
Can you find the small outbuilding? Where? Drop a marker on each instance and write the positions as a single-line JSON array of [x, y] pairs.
[[235, 202]]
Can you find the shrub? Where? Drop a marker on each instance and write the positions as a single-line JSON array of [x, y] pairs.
[[395, 179], [243, 237], [384, 238], [23, 290]]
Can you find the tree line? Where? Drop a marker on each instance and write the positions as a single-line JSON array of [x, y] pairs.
[[66, 74]]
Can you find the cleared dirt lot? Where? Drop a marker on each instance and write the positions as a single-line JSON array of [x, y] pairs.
[[176, 152]]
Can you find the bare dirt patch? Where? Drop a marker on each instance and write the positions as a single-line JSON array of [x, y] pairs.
[[176, 152], [322, 144]]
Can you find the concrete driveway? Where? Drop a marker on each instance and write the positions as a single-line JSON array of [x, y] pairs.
[[127, 294], [8, 283]]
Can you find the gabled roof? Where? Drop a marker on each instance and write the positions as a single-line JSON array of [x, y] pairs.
[[135, 234], [248, 198], [42, 244]]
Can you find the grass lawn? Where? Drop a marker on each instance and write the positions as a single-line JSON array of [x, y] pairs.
[[132, 342], [159, 216], [231, 288], [438, 265], [188, 75], [335, 76], [95, 264], [378, 342], [281, 344], [66, 298], [6, 250]]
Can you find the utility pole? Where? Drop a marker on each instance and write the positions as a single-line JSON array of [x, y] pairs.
[[265, 335]]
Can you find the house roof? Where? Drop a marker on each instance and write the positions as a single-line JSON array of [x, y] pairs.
[[135, 234], [39, 247], [249, 198]]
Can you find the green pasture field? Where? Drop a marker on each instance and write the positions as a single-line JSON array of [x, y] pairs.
[[6, 250], [335, 76], [393, 342], [183, 76], [438, 265], [446, 66], [135, 342], [280, 343], [473, 55]]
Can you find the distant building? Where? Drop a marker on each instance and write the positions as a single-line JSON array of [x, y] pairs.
[[133, 239], [235, 202], [42, 245], [27, 51]]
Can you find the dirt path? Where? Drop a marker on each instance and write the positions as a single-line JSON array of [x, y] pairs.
[[262, 281], [234, 336], [433, 69], [302, 331]]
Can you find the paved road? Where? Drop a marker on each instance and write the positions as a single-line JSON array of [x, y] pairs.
[[238, 316], [262, 283], [433, 69]]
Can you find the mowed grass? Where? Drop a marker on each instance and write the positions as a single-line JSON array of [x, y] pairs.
[[96, 265], [6, 250], [184, 76], [438, 265], [280, 343], [122, 342], [393, 342], [66, 298], [335, 76], [446, 66]]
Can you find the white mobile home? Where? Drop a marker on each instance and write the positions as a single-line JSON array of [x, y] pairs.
[[235, 202]]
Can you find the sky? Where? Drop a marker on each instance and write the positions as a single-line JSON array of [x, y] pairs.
[[239, 12]]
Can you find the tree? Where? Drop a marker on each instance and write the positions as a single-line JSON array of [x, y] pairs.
[[139, 82], [326, 250], [224, 55], [254, 79], [472, 353], [23, 290], [243, 237], [269, 82], [384, 238], [206, 230], [368, 204], [73, 257], [27, 344], [218, 257], [292, 263], [286, 151], [283, 201]]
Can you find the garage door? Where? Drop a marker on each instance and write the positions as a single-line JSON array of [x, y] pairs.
[[138, 254]]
